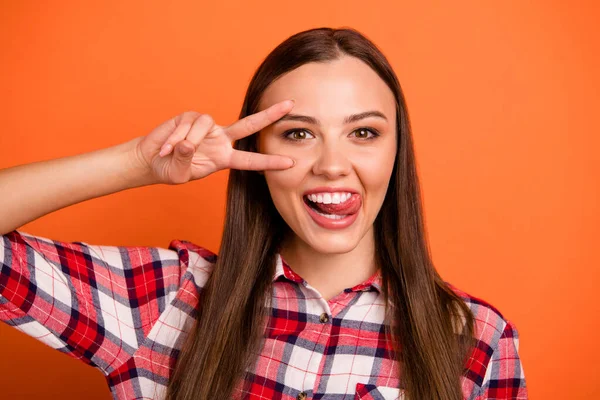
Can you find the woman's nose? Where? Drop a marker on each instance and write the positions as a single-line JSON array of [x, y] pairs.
[[331, 161]]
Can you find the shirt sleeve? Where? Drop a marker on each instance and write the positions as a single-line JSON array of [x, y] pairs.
[[504, 377], [95, 303]]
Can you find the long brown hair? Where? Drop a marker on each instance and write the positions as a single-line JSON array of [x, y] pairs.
[[430, 326]]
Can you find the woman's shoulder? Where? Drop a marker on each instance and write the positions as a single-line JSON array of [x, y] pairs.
[[493, 366], [184, 248], [195, 260], [490, 323], [475, 302]]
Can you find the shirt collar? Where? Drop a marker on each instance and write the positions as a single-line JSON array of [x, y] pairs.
[[284, 271]]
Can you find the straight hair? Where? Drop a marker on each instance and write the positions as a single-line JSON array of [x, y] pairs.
[[429, 325]]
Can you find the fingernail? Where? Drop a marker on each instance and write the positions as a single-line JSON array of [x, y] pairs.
[[166, 149], [293, 162]]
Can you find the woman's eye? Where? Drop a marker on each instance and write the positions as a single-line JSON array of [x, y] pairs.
[[364, 133], [298, 135], [302, 134]]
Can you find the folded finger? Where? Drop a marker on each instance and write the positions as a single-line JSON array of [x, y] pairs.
[[201, 126], [255, 122], [184, 123]]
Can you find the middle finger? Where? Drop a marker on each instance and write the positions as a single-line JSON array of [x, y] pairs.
[[255, 122]]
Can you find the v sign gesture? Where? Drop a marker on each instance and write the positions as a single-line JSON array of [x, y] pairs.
[[191, 146]]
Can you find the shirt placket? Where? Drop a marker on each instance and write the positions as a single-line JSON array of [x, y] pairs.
[[319, 308], [326, 310]]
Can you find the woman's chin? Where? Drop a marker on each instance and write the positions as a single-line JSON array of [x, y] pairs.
[[333, 245], [333, 241]]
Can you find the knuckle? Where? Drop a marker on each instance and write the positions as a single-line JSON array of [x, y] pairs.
[[249, 161], [269, 114], [190, 114], [185, 116], [206, 119], [251, 125]]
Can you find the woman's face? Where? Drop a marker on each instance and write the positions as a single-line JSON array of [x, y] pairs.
[[342, 134]]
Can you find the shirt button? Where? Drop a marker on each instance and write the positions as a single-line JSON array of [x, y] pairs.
[[324, 317], [301, 396]]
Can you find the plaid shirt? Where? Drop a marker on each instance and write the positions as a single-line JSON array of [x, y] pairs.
[[125, 311]]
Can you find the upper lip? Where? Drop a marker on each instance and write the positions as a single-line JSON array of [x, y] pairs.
[[324, 189]]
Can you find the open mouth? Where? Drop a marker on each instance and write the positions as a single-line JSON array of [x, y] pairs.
[[333, 210]]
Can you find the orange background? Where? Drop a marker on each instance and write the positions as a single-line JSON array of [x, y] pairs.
[[504, 102]]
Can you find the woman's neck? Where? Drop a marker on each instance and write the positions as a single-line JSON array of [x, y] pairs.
[[330, 273]]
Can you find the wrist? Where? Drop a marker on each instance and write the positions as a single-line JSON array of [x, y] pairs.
[[134, 171]]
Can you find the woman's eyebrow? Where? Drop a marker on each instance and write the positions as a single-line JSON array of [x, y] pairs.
[[300, 118], [357, 117], [348, 120]]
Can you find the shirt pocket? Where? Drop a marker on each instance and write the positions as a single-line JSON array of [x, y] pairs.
[[374, 392]]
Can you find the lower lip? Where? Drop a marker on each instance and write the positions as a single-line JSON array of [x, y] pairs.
[[327, 223]]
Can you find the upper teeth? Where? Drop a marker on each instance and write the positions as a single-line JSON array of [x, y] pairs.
[[329, 198]]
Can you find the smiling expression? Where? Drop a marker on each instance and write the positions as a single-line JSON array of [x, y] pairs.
[[342, 134]]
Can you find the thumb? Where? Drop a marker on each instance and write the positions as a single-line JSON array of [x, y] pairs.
[[184, 151]]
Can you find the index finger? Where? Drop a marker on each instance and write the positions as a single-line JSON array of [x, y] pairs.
[[255, 122]]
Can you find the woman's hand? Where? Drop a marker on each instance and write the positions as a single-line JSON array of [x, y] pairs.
[[191, 146]]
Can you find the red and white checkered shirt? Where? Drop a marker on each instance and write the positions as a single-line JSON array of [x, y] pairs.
[[125, 310]]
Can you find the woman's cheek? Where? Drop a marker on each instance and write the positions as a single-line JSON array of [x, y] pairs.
[[292, 177], [287, 180], [371, 166]]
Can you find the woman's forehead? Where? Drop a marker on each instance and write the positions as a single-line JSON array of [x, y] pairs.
[[332, 89]]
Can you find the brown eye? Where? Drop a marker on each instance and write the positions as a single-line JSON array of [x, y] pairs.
[[364, 133], [297, 135]]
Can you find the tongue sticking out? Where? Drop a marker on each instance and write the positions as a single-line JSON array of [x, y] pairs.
[[350, 206]]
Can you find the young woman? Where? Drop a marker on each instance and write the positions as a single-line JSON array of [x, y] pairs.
[[324, 287]]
